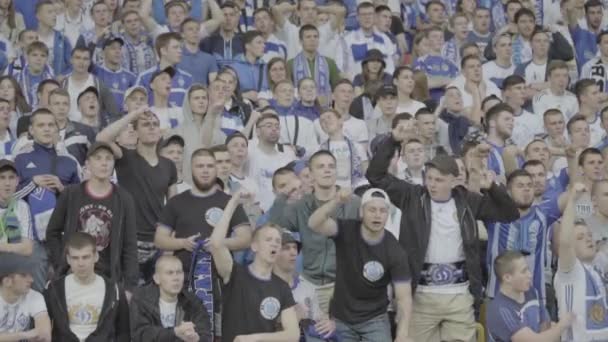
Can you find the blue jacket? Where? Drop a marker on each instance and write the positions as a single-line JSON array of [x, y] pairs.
[[62, 50], [158, 10], [251, 76]]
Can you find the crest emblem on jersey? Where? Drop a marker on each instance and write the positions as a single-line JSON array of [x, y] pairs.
[[181, 82], [442, 274], [124, 79], [213, 215], [597, 313], [269, 308], [373, 271], [115, 85]]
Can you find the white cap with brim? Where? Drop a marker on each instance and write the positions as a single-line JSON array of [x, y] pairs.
[[375, 193], [130, 91]]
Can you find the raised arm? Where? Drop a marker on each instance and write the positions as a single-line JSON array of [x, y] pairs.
[[339, 13], [145, 14], [217, 241], [567, 237], [280, 13], [109, 134], [216, 20], [321, 222], [377, 172]]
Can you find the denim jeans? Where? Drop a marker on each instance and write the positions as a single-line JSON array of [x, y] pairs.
[[39, 273], [374, 330]]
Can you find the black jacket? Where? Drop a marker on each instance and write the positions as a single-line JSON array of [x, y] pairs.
[[124, 268], [415, 203], [145, 316], [113, 324]]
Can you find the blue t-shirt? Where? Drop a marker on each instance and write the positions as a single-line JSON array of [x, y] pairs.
[[436, 66], [585, 45], [199, 65], [505, 316]]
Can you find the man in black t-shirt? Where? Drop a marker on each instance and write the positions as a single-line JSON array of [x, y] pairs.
[[256, 304], [149, 178], [368, 259], [102, 210], [193, 215]]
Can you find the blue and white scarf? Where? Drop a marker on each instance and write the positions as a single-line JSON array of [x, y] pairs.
[[355, 162], [301, 69], [131, 50], [451, 51], [522, 51], [29, 88], [201, 278]]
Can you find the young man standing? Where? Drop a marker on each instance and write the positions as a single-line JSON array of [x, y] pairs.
[[439, 70], [43, 175], [148, 177], [169, 114], [59, 45], [516, 314], [103, 210], [499, 126], [556, 96], [588, 94], [441, 211], [111, 72], [169, 50], [201, 65], [164, 311], [525, 124], [84, 305], [20, 304], [360, 302], [172, 148], [255, 301], [35, 71], [579, 287]]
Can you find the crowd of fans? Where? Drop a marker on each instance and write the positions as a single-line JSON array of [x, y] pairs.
[[303, 170]]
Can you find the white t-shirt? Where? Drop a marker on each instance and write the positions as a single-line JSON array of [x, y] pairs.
[[16, 317], [167, 313], [74, 91], [494, 73], [582, 292], [84, 304], [71, 27], [341, 151], [261, 167], [526, 126], [49, 41], [535, 73], [546, 100], [445, 227], [467, 98], [410, 108], [353, 128], [596, 132], [169, 117]]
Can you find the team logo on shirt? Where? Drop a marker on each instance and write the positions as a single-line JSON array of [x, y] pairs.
[[115, 85], [181, 82], [597, 313], [213, 216], [270, 308], [373, 271], [442, 274]]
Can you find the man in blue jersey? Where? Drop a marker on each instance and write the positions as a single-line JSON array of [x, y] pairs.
[[528, 234], [58, 44], [439, 70], [480, 34], [201, 65], [499, 127], [169, 49], [43, 174], [516, 314], [111, 73], [585, 33], [578, 286], [138, 51]]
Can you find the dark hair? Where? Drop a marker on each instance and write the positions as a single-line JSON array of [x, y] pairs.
[[202, 152], [280, 172], [489, 98], [382, 8], [556, 64], [21, 104], [37, 46], [80, 240], [59, 92], [219, 148], [503, 264], [592, 3], [511, 2], [331, 110], [400, 69], [343, 81], [186, 22], [511, 81], [465, 59], [43, 3], [80, 49], [495, 111], [588, 152], [307, 27], [125, 14], [319, 154], [467, 45], [600, 35], [603, 117], [433, 2], [265, 116], [234, 136], [523, 12], [581, 86], [422, 111], [552, 111], [574, 119], [249, 36], [162, 41], [533, 162], [517, 173], [401, 117], [271, 63], [39, 111], [364, 5]]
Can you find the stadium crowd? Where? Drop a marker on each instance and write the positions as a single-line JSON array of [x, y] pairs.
[[303, 170]]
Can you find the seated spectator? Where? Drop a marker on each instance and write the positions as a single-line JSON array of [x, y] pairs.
[[84, 305], [164, 311], [20, 304], [516, 313], [372, 70], [16, 223], [106, 212]]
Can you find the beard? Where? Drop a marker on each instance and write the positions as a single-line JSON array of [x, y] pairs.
[[203, 187]]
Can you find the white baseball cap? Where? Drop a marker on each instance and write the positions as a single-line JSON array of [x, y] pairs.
[[375, 193]]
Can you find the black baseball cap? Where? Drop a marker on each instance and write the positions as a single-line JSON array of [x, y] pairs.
[[111, 40], [90, 89], [175, 138], [11, 263], [445, 164], [169, 70], [7, 164], [288, 237], [374, 55], [99, 145], [386, 90]]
